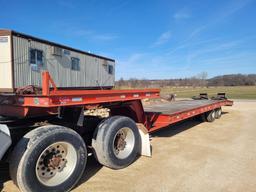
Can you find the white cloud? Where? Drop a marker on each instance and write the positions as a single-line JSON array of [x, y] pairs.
[[163, 38], [234, 7], [227, 11], [182, 14], [133, 60], [148, 65]]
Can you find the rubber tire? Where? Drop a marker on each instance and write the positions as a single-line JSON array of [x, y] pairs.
[[210, 116], [218, 113], [4, 119], [102, 142], [27, 151]]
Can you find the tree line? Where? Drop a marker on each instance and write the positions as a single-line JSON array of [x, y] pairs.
[[199, 80]]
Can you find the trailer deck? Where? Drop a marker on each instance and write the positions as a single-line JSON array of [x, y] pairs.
[[179, 106], [165, 114], [51, 100]]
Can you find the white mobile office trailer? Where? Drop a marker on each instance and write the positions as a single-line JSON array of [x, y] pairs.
[[24, 57]]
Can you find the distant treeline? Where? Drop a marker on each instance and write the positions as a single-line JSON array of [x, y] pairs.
[[232, 80], [198, 80]]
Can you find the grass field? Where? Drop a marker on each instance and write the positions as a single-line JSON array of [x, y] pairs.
[[237, 92]]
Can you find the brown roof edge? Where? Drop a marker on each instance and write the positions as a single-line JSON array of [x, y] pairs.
[[5, 32], [11, 32]]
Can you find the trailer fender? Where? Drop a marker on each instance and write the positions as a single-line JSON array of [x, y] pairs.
[[145, 141], [5, 139]]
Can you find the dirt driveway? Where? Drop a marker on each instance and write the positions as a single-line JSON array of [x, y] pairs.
[[192, 156]]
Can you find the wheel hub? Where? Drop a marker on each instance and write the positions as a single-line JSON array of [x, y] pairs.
[[120, 141], [51, 161], [123, 143], [54, 162]]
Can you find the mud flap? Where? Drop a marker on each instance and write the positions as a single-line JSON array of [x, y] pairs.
[[145, 142], [5, 140]]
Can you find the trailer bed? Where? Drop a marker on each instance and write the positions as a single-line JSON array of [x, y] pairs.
[[163, 115], [178, 106], [122, 102]]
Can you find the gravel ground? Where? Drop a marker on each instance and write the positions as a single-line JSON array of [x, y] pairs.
[[191, 156]]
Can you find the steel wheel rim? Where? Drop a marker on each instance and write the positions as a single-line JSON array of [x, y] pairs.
[[122, 149], [56, 164], [219, 112], [213, 114]]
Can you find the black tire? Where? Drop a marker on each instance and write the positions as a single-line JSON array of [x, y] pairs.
[[26, 155], [6, 119], [104, 139], [218, 113], [210, 116]]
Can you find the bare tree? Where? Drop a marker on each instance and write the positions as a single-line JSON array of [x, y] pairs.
[[202, 77]]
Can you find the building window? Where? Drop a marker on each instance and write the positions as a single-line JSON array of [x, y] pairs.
[[36, 57], [66, 52], [75, 64], [110, 69]]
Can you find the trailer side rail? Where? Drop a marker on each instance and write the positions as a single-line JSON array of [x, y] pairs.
[[161, 120]]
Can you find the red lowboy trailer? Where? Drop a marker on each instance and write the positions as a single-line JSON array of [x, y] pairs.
[[46, 135]]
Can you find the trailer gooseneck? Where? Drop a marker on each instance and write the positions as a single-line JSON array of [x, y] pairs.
[[46, 136]]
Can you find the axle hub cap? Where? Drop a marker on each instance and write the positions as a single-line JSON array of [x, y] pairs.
[[56, 163], [123, 143]]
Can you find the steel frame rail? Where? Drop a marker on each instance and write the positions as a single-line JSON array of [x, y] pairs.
[[52, 98]]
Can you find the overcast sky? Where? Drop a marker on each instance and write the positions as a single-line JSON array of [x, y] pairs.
[[150, 39]]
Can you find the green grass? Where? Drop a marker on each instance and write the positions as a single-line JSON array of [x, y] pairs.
[[236, 92]]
